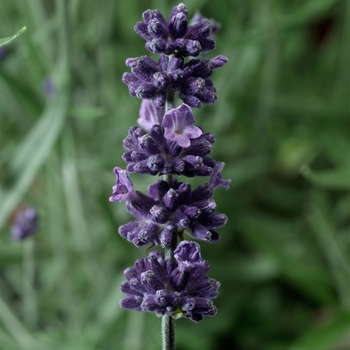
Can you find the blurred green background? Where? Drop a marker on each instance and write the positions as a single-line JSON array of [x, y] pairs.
[[282, 128]]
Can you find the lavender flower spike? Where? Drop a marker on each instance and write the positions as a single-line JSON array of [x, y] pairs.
[[122, 187], [179, 287], [150, 115], [25, 224], [178, 126]]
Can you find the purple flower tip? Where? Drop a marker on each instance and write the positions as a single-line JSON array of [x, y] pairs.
[[178, 126], [25, 224], [216, 179], [188, 255], [123, 186], [150, 115]]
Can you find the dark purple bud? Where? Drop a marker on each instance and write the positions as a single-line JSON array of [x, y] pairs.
[[193, 162], [170, 199], [166, 235], [139, 204], [25, 224], [191, 100], [142, 30], [157, 133], [178, 25], [199, 31], [126, 229], [150, 304], [218, 61], [172, 149], [149, 144], [192, 212], [131, 303], [158, 28], [148, 233], [179, 166], [151, 281], [188, 256], [130, 273], [158, 190], [206, 207], [198, 147], [202, 192], [159, 214], [155, 164], [201, 232], [180, 220], [184, 192], [214, 220]]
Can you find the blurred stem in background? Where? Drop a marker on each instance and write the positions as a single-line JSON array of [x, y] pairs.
[[29, 295]]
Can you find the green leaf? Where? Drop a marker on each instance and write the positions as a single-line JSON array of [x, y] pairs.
[[326, 336], [8, 40], [337, 179], [32, 153]]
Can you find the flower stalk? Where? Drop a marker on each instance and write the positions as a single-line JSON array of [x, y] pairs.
[[174, 283]]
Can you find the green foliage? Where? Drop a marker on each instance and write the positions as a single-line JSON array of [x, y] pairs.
[[8, 40], [281, 126]]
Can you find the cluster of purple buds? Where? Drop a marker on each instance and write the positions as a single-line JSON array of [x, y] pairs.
[[175, 36], [177, 287], [170, 210], [174, 147], [167, 142], [151, 80], [25, 224]]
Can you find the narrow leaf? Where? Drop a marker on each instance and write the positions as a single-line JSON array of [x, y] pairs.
[[8, 40]]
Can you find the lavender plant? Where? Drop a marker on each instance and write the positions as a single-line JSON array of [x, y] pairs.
[[172, 284]]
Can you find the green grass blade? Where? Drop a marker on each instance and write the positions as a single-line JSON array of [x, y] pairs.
[[32, 153], [8, 40]]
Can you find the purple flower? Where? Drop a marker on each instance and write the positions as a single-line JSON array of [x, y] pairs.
[[150, 115], [165, 287], [25, 224], [167, 211], [123, 186], [151, 153], [151, 80], [175, 36], [178, 126], [216, 179]]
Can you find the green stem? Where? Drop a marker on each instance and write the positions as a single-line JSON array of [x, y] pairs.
[[168, 333], [168, 322], [29, 297]]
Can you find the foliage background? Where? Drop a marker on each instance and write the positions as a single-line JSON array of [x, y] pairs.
[[281, 124]]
